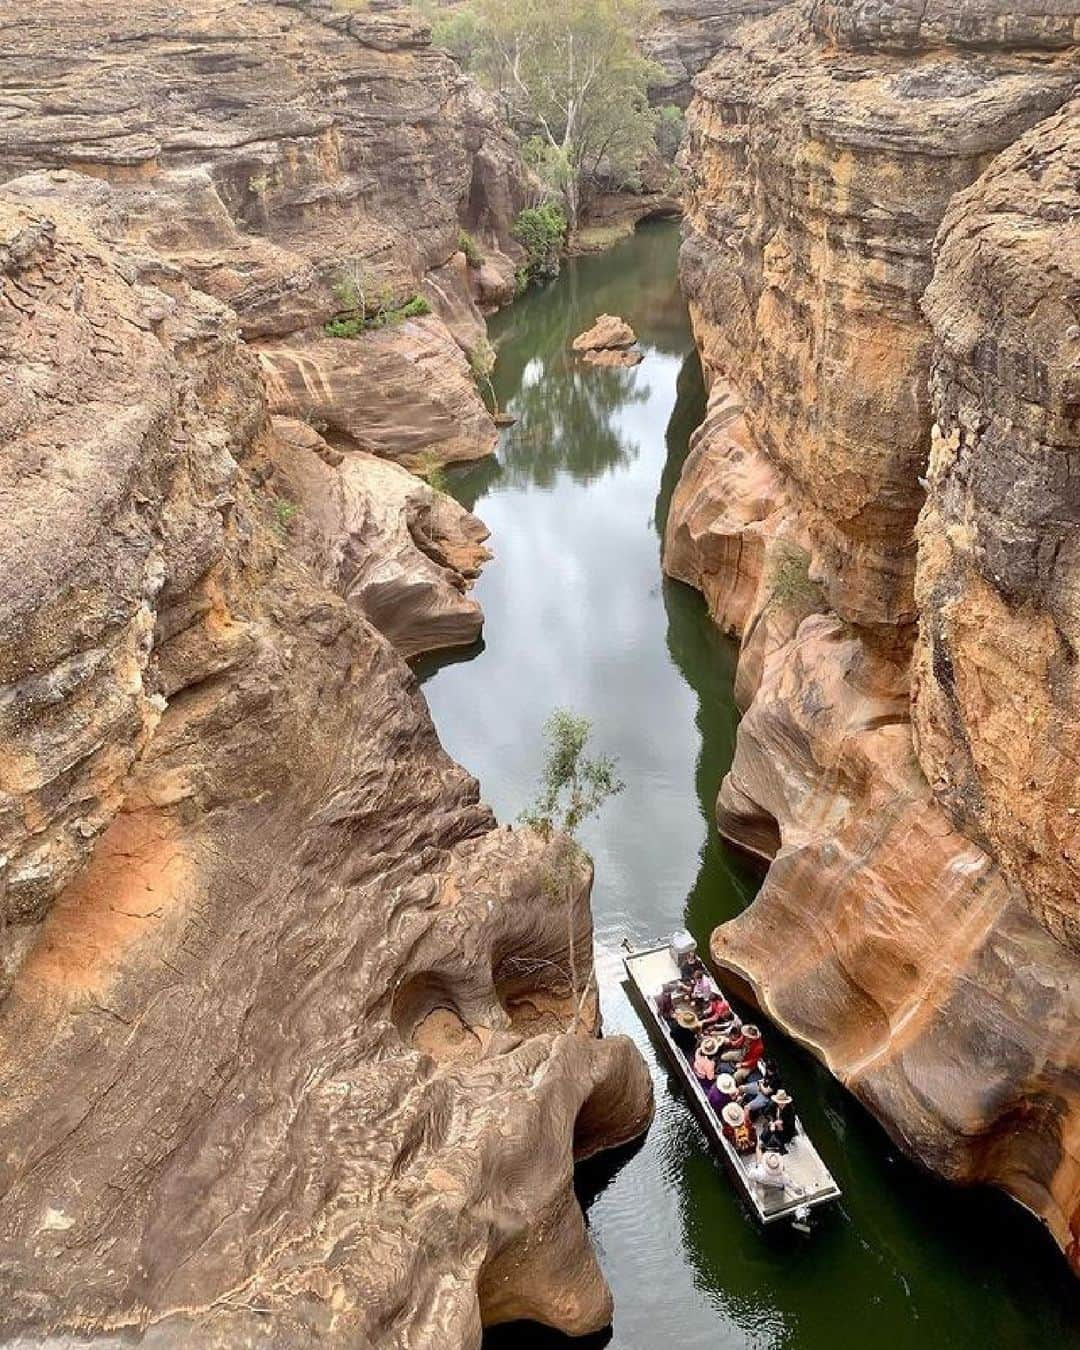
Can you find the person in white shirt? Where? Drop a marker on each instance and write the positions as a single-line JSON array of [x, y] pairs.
[[768, 1171]]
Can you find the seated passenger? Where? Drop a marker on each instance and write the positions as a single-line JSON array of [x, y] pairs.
[[758, 1090], [683, 1025], [737, 1129], [702, 990], [718, 1012], [734, 1044], [776, 1124], [753, 1050], [705, 1060], [721, 1092], [783, 1109]]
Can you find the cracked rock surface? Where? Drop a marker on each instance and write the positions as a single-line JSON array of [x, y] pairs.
[[881, 260]]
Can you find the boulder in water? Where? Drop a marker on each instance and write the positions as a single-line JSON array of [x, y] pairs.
[[608, 333]]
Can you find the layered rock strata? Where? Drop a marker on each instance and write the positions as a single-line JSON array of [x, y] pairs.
[[287, 1044], [917, 926], [295, 161], [685, 35]]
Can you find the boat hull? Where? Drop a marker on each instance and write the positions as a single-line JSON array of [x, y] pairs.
[[813, 1186]]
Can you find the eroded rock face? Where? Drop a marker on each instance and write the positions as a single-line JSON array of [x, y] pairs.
[[911, 25], [921, 899], [287, 157], [381, 538], [997, 692], [283, 1047], [685, 35]]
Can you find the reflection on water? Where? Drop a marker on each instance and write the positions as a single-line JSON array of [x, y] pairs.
[[579, 615]]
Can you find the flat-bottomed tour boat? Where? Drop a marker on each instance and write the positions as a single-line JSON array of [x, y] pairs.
[[809, 1182]]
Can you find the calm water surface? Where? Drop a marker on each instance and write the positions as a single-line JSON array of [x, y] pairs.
[[578, 615]]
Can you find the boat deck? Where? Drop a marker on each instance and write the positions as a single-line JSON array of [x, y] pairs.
[[810, 1182]]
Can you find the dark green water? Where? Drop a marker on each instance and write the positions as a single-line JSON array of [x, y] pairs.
[[578, 615]]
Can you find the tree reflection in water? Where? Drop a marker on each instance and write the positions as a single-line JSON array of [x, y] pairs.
[[569, 412]]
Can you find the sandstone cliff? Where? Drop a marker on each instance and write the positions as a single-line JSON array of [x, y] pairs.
[[917, 926], [283, 1013], [281, 1045], [686, 34], [272, 151]]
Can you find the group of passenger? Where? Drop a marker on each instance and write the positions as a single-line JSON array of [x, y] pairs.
[[727, 1055]]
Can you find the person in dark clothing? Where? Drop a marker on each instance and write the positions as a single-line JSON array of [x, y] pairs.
[[776, 1126], [758, 1093], [683, 1027]]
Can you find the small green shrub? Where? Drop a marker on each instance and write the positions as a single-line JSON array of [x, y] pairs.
[[790, 582], [474, 255], [541, 230], [430, 466], [482, 364], [668, 130], [285, 513], [415, 308], [368, 319]]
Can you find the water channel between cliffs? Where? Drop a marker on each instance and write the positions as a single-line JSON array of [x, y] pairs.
[[579, 615]]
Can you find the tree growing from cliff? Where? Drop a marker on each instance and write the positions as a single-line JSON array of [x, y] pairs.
[[569, 74], [573, 788]]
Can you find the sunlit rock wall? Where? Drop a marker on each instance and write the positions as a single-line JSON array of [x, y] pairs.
[[920, 905]]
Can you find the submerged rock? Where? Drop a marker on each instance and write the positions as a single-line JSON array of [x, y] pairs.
[[614, 356]]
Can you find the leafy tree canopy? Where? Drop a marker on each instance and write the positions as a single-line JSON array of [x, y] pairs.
[[568, 73]]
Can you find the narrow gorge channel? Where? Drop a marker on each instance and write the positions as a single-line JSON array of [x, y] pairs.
[[579, 615]]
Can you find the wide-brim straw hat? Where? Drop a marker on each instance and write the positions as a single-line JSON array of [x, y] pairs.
[[709, 1046], [773, 1161], [726, 1083], [781, 1098], [733, 1113], [750, 1031], [686, 1017]]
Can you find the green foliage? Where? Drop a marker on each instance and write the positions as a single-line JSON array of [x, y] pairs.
[[285, 513], [474, 254], [573, 786], [430, 466], [457, 33], [371, 314], [789, 578], [482, 364], [415, 308], [570, 76], [541, 231], [668, 130]]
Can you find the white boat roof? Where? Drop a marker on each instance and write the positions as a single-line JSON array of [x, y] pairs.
[[810, 1181]]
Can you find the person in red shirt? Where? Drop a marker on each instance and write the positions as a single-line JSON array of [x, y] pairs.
[[752, 1051], [718, 1012]]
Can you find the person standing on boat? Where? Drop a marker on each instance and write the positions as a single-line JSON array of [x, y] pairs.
[[768, 1171]]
